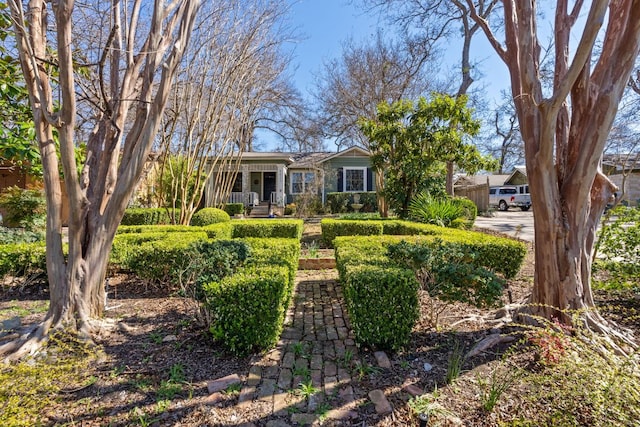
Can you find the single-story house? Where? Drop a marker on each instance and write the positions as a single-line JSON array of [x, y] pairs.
[[278, 178]]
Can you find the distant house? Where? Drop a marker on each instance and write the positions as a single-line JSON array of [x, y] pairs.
[[624, 171], [476, 187], [275, 178]]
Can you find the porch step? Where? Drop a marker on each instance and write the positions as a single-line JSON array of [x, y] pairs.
[[260, 211]]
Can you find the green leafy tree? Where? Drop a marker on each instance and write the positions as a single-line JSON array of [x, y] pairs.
[[16, 128], [411, 144]]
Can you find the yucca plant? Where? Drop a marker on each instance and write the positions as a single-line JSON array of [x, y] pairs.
[[439, 211]]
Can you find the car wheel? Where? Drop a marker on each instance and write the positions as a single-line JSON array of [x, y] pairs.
[[503, 205], [525, 208]]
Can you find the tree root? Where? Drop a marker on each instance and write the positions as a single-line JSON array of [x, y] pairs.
[[604, 335], [28, 344], [37, 337]]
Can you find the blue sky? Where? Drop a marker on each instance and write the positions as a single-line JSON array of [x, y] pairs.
[[323, 25]]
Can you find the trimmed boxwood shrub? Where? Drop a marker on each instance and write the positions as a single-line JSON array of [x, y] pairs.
[[498, 254], [382, 304], [208, 216], [234, 208], [502, 255], [22, 259], [211, 261], [332, 228], [148, 216], [127, 244], [129, 229], [221, 230], [162, 259], [278, 228], [247, 309], [270, 251], [450, 272], [408, 228]]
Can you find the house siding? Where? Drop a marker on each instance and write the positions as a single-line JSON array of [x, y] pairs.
[[632, 184], [334, 165]]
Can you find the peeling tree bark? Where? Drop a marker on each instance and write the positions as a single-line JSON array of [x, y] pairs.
[[139, 86], [565, 135]]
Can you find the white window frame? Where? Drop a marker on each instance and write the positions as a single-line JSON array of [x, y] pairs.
[[306, 187], [344, 179]]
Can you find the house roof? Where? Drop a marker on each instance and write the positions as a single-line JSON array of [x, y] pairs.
[[263, 155], [353, 151], [309, 160], [518, 170], [622, 162], [494, 180], [305, 160]]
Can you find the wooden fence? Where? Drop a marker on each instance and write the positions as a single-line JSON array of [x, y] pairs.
[[479, 194]]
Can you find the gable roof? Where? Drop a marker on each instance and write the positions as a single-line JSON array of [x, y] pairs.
[[494, 180], [518, 170], [353, 151]]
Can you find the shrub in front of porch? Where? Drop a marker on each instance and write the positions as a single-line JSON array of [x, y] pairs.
[[341, 202], [234, 208], [208, 216]]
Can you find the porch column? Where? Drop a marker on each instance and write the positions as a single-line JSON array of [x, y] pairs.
[[280, 185], [246, 183]]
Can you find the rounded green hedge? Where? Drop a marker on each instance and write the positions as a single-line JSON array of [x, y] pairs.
[[208, 216]]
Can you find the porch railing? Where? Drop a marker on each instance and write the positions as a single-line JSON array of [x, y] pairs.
[[278, 199], [247, 199]]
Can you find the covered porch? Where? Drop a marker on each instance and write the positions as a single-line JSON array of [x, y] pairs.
[[254, 185]]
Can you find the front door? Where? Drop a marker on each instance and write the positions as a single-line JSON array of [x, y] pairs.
[[268, 185]]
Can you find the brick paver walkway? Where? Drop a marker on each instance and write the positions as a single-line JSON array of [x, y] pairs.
[[306, 377]]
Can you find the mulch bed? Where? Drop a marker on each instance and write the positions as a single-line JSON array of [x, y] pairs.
[[152, 330]]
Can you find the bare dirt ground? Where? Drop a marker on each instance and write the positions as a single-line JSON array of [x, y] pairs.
[[153, 342]]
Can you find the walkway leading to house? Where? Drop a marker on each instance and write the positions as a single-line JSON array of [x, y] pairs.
[[306, 378]]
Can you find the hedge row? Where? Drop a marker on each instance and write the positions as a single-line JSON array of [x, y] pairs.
[[248, 309], [234, 208], [463, 265], [502, 255], [148, 216], [159, 257], [278, 228], [341, 202], [22, 259], [332, 228], [245, 294]]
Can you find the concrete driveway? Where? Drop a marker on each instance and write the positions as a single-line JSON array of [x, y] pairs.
[[513, 222]]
